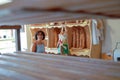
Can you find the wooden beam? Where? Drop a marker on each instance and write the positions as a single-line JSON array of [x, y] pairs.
[[10, 27], [38, 66]]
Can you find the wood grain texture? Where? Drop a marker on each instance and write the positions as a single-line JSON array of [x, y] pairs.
[[10, 27], [40, 11], [34, 66]]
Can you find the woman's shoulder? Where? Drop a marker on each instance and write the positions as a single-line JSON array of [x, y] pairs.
[[35, 42], [39, 43], [43, 42]]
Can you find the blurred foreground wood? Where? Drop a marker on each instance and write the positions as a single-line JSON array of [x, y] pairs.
[[36, 66]]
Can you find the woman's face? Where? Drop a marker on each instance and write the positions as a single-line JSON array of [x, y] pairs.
[[40, 36]]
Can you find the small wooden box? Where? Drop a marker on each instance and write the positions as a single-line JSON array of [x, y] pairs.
[[106, 57]]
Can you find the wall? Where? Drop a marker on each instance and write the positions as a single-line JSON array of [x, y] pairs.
[[28, 34], [112, 35]]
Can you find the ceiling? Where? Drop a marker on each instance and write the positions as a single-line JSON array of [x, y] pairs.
[[20, 12]]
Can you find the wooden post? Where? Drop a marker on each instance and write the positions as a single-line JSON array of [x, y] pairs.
[[17, 40]]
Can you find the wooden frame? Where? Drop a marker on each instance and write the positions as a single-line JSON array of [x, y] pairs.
[[17, 34]]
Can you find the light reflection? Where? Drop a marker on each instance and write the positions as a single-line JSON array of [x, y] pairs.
[[5, 1]]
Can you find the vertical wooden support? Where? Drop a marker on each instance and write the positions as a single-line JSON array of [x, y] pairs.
[[17, 40]]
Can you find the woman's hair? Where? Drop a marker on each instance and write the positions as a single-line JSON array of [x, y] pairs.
[[38, 33]]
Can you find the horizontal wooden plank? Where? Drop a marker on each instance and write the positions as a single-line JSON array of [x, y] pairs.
[[34, 66], [10, 27]]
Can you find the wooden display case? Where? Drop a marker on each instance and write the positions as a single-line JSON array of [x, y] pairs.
[[74, 36]]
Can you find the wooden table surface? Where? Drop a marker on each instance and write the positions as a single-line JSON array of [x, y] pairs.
[[33, 66]]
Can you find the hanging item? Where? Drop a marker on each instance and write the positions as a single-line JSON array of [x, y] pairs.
[[87, 37], [77, 37], [74, 36], [51, 38], [63, 42], [101, 29], [82, 38], [56, 33], [95, 33]]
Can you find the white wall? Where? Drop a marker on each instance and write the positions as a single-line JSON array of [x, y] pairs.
[[112, 35], [28, 34]]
